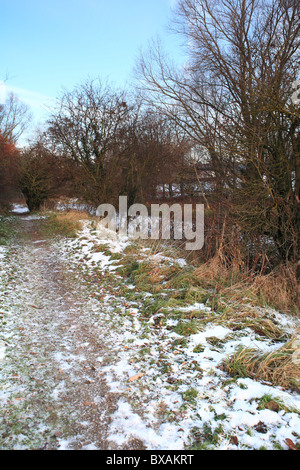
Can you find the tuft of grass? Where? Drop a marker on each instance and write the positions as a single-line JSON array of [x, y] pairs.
[[268, 402], [206, 438], [190, 396], [199, 348], [186, 328], [183, 278], [279, 367]]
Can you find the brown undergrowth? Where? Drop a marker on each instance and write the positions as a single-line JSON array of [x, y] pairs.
[[239, 300]]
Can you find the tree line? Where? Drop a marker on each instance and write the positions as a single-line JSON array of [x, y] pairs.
[[224, 127]]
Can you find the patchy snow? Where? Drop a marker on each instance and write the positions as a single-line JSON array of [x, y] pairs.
[[150, 400], [33, 217], [2, 251], [2, 350], [20, 208], [169, 389]]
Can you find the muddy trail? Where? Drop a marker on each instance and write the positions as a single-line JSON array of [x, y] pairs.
[[53, 390]]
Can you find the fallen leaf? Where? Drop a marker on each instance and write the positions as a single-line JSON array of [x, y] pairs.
[[234, 440], [183, 364], [290, 444], [135, 377], [273, 406]]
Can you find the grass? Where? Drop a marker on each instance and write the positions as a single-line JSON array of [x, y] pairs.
[[237, 302], [279, 367], [6, 230], [190, 395], [268, 402], [217, 284], [63, 224], [206, 438], [186, 329]]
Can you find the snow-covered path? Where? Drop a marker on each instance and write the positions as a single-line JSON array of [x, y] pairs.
[[81, 367], [52, 392]]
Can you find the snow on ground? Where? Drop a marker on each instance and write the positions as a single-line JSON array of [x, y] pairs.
[[20, 208], [2, 251], [172, 391], [169, 394]]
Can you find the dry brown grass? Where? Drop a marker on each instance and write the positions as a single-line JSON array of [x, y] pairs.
[[257, 322], [64, 223], [232, 282], [280, 367], [280, 288], [73, 216]]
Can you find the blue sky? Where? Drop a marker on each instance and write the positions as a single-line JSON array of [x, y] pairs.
[[49, 44]]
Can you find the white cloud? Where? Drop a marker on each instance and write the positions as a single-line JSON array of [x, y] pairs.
[[39, 105], [36, 101]]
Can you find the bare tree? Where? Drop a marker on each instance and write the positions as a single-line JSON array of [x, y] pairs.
[[234, 98], [14, 118], [90, 127], [155, 156]]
